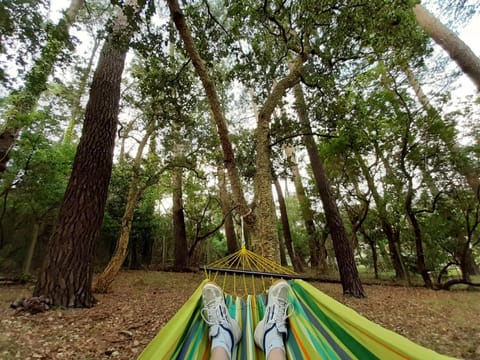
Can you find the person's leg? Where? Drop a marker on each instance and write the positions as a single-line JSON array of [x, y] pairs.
[[223, 330], [270, 332], [277, 354]]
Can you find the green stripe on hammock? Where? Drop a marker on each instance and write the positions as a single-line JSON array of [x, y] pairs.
[[319, 327]]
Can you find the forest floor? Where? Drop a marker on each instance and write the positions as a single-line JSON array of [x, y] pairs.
[[124, 321]]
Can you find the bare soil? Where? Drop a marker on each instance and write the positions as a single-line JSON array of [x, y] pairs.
[[124, 321]]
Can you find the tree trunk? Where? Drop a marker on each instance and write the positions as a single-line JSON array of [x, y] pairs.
[[226, 206], [105, 279], [393, 237], [451, 43], [265, 237], [421, 266], [352, 286], [287, 234], [36, 82], [217, 111], [66, 274], [316, 262]]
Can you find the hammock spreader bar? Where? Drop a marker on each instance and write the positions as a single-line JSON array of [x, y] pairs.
[[252, 272]]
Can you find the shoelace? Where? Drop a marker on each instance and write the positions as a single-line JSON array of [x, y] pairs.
[[213, 311]]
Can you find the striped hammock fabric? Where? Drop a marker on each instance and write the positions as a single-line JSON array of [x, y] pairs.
[[319, 328]]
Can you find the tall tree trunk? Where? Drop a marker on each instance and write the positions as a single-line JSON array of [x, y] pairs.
[[316, 260], [217, 111], [226, 206], [36, 82], [105, 279], [66, 274], [287, 234], [450, 42], [352, 286], [265, 236]]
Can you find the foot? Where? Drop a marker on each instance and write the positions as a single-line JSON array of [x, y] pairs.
[[215, 314], [276, 314]]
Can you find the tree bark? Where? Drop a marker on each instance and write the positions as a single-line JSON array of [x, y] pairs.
[[450, 42], [265, 237], [66, 274], [36, 82], [352, 286]]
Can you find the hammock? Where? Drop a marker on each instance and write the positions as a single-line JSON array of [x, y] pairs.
[[319, 328]]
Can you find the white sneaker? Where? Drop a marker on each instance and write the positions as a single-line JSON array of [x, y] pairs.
[[276, 313], [215, 313]]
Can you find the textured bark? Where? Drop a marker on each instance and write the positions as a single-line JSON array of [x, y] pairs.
[[265, 236], [450, 42], [178, 218], [352, 286], [66, 274], [105, 279], [287, 234], [36, 82], [216, 108]]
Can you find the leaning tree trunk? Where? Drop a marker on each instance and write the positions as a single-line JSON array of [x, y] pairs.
[[105, 279], [352, 286], [36, 82], [217, 111], [265, 237], [450, 42], [66, 274]]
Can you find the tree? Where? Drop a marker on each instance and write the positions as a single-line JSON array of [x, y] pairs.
[[450, 42], [66, 274], [317, 250], [25, 100], [135, 190], [343, 251]]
